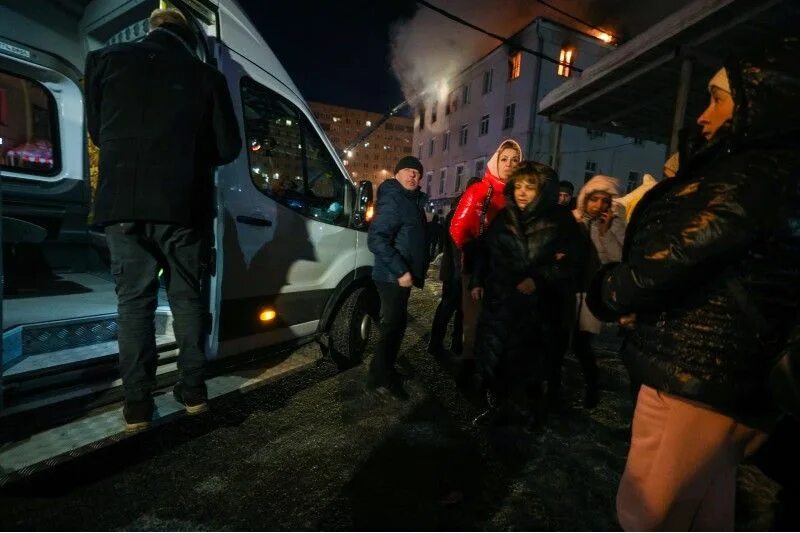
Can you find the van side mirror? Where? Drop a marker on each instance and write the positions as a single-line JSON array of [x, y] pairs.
[[364, 210]]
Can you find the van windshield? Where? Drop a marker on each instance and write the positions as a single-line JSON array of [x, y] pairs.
[[28, 142]]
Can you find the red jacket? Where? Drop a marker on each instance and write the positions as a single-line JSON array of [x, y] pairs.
[[466, 224]]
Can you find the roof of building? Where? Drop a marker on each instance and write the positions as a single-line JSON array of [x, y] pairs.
[[632, 91]]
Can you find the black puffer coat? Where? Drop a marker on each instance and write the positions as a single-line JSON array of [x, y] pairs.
[[727, 225], [513, 328]]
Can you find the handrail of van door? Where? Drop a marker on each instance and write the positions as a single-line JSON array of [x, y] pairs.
[[254, 221]]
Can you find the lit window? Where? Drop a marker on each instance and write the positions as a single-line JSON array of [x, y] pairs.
[[566, 59], [514, 65]]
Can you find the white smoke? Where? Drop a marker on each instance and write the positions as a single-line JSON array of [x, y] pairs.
[[430, 48]]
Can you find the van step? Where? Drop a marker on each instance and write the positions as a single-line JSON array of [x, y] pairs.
[[46, 337], [104, 426]]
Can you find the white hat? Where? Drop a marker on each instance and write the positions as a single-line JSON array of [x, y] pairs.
[[720, 81]]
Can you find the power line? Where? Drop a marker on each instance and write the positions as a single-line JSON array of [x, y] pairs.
[[495, 36], [573, 17]]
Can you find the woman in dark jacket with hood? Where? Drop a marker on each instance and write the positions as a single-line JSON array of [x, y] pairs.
[[710, 277], [528, 251]]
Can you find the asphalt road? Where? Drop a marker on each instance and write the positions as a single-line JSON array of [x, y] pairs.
[[313, 452]]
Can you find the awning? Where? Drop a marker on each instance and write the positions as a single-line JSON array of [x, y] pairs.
[[633, 90]]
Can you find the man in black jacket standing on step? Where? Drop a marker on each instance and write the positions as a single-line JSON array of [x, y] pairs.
[[163, 120], [397, 237]]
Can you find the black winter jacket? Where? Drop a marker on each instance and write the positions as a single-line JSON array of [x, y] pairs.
[[163, 120], [518, 245], [397, 235], [727, 225]]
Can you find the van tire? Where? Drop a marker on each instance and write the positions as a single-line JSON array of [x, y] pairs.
[[350, 329]]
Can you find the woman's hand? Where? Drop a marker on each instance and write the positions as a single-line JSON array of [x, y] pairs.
[[526, 286], [477, 294], [604, 222]]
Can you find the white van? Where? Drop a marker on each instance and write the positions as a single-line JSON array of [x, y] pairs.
[[290, 261]]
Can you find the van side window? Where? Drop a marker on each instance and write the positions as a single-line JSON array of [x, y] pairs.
[[288, 161], [28, 127]]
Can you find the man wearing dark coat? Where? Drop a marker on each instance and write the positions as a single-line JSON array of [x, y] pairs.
[[398, 238], [163, 120]]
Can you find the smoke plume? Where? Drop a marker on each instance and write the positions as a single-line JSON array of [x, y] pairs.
[[430, 48]]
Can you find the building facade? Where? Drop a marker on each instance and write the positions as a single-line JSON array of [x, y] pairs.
[[374, 158], [458, 130]]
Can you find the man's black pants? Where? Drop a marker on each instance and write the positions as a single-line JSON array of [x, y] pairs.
[[138, 251], [394, 317]]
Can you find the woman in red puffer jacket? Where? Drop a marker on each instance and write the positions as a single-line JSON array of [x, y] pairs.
[[476, 210]]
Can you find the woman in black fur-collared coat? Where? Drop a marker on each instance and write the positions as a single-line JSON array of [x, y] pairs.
[[527, 257]]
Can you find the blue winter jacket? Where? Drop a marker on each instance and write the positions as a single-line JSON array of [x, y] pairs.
[[397, 234]]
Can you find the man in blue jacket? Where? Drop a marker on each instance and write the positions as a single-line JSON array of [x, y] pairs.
[[397, 238]]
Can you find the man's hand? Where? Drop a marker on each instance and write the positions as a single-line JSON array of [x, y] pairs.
[[526, 286], [604, 222], [406, 280], [628, 321], [477, 294]]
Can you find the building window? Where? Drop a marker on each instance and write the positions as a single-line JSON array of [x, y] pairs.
[[421, 118], [487, 81], [29, 142], [452, 103], [431, 146], [419, 151], [442, 179], [595, 134], [480, 165], [484, 127], [462, 135], [514, 65], [638, 141], [465, 94], [566, 58], [446, 141], [508, 116], [633, 181], [433, 112], [459, 177], [589, 171], [428, 179]]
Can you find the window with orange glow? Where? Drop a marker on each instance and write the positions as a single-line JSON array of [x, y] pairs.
[[566, 59], [514, 65]]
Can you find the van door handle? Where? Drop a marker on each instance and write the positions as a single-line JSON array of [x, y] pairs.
[[254, 221]]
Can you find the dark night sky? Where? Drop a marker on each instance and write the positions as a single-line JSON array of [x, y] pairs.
[[336, 52]]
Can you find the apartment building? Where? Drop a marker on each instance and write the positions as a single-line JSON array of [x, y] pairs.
[[374, 158], [497, 98]]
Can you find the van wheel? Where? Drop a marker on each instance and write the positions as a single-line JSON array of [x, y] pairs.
[[351, 327]]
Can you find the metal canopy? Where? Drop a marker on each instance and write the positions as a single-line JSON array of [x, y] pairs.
[[633, 90]]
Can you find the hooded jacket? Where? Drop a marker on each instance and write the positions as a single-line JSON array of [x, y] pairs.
[[471, 217], [599, 249], [523, 244], [397, 235], [712, 249]]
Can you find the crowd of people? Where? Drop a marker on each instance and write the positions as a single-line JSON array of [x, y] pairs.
[[701, 273]]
